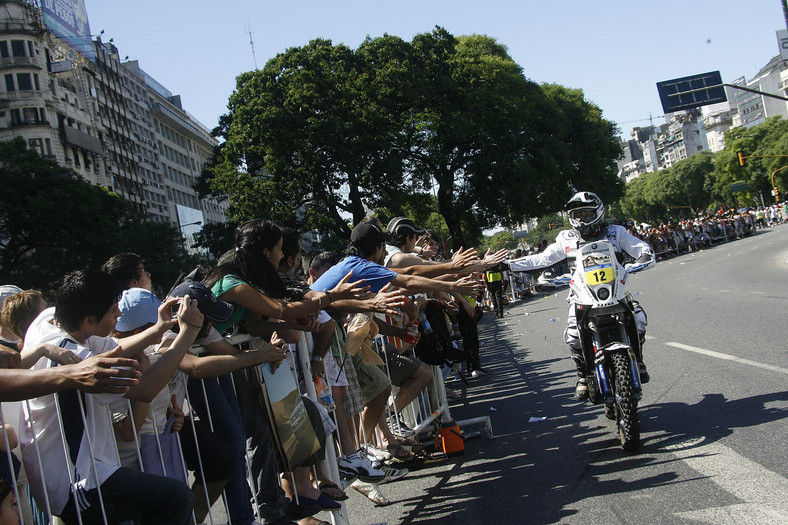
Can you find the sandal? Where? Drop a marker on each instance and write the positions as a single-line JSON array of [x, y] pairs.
[[416, 448], [399, 453], [331, 490]]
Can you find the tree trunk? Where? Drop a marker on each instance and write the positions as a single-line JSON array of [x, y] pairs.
[[446, 207]]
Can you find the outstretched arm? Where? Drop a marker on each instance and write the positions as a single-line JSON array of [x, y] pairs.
[[106, 373]]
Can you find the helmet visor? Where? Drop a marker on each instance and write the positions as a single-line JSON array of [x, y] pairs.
[[583, 214]]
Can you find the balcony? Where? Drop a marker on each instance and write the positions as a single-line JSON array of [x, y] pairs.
[[21, 96], [9, 62], [29, 124]]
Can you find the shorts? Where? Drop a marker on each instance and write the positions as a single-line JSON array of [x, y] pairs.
[[402, 365], [352, 399], [371, 379]]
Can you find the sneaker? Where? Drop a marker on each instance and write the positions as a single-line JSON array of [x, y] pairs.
[[372, 492], [581, 389], [375, 454], [478, 373], [398, 427], [644, 377], [353, 465], [392, 474]]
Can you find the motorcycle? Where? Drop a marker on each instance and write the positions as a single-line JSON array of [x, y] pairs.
[[608, 336]]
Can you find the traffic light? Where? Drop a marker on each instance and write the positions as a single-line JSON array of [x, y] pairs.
[[740, 155]]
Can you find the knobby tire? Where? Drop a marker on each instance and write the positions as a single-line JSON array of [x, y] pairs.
[[626, 406]]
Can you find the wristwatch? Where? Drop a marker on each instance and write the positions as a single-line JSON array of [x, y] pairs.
[[316, 358]]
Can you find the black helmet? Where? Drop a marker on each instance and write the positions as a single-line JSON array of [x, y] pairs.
[[586, 213]]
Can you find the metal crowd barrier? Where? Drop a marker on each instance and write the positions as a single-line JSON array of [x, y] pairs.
[[429, 407]]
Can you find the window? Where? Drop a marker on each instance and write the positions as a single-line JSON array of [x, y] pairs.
[[9, 83], [24, 82], [30, 48], [18, 48], [16, 117], [36, 145], [30, 115], [4, 49]]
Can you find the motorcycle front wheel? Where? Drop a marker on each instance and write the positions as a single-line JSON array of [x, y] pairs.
[[626, 406]]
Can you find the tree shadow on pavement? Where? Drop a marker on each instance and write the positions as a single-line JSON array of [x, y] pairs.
[[531, 472]]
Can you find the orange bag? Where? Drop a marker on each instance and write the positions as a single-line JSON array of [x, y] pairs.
[[449, 439]]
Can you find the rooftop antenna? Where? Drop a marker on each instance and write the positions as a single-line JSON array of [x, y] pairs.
[[251, 43]]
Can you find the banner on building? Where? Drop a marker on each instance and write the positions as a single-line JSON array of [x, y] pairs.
[[68, 20]]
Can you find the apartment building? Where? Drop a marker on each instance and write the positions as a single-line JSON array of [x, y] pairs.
[[77, 102]]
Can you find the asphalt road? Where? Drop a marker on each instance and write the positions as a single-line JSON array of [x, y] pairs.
[[713, 418]]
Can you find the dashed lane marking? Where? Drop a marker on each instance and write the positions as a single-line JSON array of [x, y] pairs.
[[727, 357]]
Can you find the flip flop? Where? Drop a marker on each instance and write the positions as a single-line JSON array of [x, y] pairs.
[[323, 501], [327, 485], [399, 452], [416, 448]]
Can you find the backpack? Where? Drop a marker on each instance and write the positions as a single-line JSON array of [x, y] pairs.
[[196, 275], [436, 347]]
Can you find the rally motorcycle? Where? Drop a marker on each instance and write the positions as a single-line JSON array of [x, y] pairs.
[[609, 336]]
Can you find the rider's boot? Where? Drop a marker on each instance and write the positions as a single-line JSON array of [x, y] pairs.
[[581, 387], [644, 377]]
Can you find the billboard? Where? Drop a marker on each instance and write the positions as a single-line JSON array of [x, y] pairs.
[[68, 20]]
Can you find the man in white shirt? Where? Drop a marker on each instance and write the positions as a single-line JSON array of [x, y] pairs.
[[74, 467]]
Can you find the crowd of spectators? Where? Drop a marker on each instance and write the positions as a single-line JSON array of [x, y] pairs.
[[689, 235], [121, 390]]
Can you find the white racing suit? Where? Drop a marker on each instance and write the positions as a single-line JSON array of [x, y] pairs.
[[565, 248]]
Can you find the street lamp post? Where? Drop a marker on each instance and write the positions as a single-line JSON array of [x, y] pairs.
[[182, 226]]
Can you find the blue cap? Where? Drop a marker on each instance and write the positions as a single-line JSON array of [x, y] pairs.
[[207, 303], [138, 307]]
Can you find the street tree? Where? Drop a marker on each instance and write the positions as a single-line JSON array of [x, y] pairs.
[[52, 222], [324, 135]]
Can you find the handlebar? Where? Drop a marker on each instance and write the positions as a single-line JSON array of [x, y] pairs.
[[636, 267]]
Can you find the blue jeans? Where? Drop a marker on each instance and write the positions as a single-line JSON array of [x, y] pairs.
[[129, 494], [227, 423]]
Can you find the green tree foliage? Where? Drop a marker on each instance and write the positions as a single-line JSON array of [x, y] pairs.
[[586, 160], [769, 140], [326, 135], [52, 222], [702, 183]]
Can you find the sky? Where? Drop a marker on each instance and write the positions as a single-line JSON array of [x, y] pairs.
[[615, 50]]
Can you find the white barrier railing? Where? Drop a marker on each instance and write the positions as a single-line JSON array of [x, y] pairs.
[[430, 405]]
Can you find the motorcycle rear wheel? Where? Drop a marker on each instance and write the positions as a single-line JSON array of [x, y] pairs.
[[626, 406]]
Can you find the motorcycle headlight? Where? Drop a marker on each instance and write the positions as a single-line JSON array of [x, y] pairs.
[[603, 294]]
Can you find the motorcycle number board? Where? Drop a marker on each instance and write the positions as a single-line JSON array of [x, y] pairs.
[[598, 268]]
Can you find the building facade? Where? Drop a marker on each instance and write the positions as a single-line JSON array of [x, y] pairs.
[[103, 117]]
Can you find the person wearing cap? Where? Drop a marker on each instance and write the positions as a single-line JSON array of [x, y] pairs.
[[408, 372], [366, 253], [85, 314], [402, 252], [139, 310]]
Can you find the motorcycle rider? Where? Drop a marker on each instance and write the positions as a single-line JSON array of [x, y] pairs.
[[587, 217]]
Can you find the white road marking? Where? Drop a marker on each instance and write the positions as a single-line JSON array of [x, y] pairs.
[[728, 357], [764, 493]]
